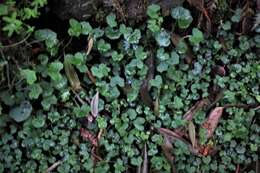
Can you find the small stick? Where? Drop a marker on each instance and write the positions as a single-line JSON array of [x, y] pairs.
[[54, 165]]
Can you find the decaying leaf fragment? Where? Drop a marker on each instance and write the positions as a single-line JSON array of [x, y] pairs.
[[72, 75], [212, 121]]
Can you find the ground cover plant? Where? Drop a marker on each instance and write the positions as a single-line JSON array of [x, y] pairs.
[[178, 92]]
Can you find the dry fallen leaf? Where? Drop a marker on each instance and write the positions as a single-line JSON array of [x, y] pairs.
[[94, 105], [175, 38], [212, 121], [194, 109], [192, 134], [54, 166], [167, 149], [156, 107], [144, 89], [145, 161], [172, 136], [72, 75], [90, 45]]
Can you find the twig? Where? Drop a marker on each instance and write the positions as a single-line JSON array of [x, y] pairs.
[[257, 166], [54, 165], [241, 105], [17, 43]]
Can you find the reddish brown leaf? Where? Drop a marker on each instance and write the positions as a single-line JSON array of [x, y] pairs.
[[212, 121], [206, 150], [94, 105], [87, 135]]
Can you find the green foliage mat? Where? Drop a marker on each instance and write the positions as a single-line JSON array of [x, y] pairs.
[[161, 97]]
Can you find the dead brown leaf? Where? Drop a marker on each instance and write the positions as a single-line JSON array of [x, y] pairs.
[[192, 134], [54, 166], [94, 105], [167, 149], [157, 107], [173, 136], [212, 121], [144, 90], [72, 75], [90, 45], [90, 76], [189, 57], [194, 109]]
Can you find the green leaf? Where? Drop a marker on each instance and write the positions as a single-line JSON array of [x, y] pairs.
[[102, 46], [75, 28], [35, 91], [196, 37], [157, 81], [202, 136], [45, 34], [134, 37], [257, 98], [54, 70], [177, 103], [183, 17], [139, 123], [136, 161], [22, 112], [112, 34], [182, 47], [100, 71], [237, 16], [140, 53], [86, 28], [162, 55], [38, 121], [174, 59], [117, 56], [29, 75], [102, 123], [163, 38], [117, 80], [48, 101], [111, 20], [3, 9], [153, 10]]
